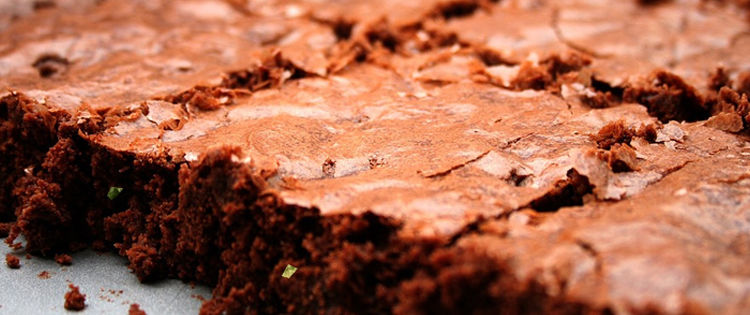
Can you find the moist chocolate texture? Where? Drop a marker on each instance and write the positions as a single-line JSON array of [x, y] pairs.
[[407, 157]]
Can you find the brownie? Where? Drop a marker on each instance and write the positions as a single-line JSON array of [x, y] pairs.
[[408, 158]]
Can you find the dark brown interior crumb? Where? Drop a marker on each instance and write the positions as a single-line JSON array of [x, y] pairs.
[[566, 193], [12, 261], [5, 229], [135, 309], [620, 158], [549, 72], [43, 275], [614, 132], [64, 259], [74, 300], [669, 97]]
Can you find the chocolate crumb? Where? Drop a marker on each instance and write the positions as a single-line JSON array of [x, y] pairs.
[[5, 228], [376, 161], [547, 73], [12, 261], [614, 132], [43, 275], [329, 167], [135, 309], [619, 158], [729, 122], [204, 98], [74, 300], [274, 71], [15, 246], [647, 132], [731, 110], [64, 259]]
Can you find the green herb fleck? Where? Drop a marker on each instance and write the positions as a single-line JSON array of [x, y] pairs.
[[114, 192], [289, 271]]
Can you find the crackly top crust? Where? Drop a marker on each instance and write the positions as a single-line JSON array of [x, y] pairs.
[[434, 158], [628, 40], [121, 52]]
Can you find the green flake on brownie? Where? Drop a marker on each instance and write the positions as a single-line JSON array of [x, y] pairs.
[[289, 271], [114, 192]]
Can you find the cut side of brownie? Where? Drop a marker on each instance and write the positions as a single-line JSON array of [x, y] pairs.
[[398, 173]]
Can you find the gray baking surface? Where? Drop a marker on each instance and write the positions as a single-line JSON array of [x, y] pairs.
[[100, 277]]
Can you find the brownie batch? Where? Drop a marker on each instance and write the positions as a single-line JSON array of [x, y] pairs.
[[408, 157]]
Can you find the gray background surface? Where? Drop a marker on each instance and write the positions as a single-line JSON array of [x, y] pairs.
[[24, 292]]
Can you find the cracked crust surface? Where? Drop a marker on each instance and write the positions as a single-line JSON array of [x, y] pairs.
[[568, 156]]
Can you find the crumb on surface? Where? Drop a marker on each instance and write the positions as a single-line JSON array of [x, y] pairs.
[[43, 275], [74, 300], [5, 229], [12, 261], [64, 259], [135, 309]]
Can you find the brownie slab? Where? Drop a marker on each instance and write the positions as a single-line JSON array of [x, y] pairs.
[[348, 162]]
